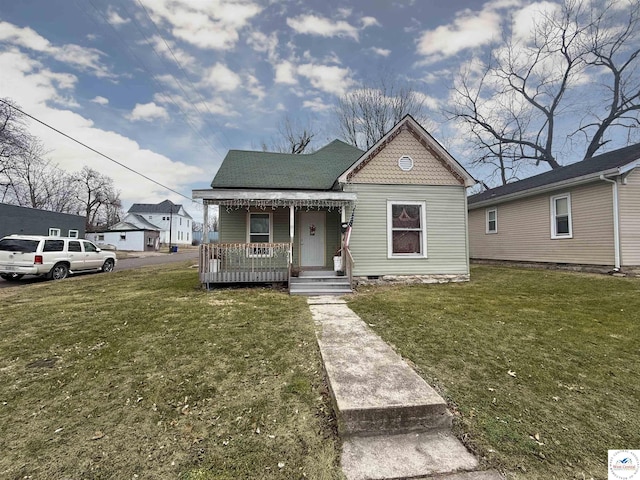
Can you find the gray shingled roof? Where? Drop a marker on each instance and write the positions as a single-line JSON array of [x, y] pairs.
[[163, 207], [313, 171], [600, 163]]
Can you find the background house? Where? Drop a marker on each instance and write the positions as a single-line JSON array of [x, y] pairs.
[[32, 221], [585, 213], [129, 237], [167, 217]]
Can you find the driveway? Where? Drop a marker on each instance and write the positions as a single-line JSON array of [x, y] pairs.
[[137, 260]]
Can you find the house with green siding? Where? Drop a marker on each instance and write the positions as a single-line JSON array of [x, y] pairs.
[[324, 220]]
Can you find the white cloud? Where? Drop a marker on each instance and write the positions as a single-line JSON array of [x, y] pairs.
[[212, 24], [323, 27], [469, 30], [222, 79], [369, 22], [254, 87], [148, 112], [427, 100], [114, 17], [82, 58], [525, 19], [383, 52], [263, 43], [168, 49], [100, 100], [35, 88], [316, 104], [285, 73], [330, 79]]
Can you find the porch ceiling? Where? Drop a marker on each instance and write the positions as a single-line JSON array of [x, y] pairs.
[[275, 198]]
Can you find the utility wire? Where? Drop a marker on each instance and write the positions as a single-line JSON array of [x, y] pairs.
[[96, 151]]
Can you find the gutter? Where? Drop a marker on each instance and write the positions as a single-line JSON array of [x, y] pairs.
[[616, 220]]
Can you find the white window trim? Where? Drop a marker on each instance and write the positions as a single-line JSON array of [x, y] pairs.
[[487, 230], [52, 232], [269, 252], [423, 223], [74, 233], [554, 234]]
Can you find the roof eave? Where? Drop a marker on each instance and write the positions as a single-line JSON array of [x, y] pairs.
[[213, 194], [545, 188]]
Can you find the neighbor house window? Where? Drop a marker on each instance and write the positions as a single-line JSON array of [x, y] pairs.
[[123, 236], [259, 230], [149, 241], [73, 233], [492, 220], [561, 216], [54, 232], [406, 229], [101, 237]]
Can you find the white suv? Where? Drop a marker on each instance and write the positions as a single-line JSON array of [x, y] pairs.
[[55, 257]]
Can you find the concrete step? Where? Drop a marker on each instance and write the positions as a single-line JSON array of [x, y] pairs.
[[313, 279], [319, 285], [312, 292], [318, 273], [375, 391], [409, 455]]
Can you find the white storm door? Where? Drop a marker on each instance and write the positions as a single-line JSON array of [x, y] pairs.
[[312, 234]]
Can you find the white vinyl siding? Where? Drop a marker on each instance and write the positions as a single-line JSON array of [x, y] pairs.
[[561, 216], [406, 229], [492, 220]]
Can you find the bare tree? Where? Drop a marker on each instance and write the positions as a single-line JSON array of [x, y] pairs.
[[513, 105], [97, 197], [365, 114], [291, 138]]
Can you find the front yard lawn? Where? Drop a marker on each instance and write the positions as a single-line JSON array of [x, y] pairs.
[[541, 367], [141, 374]]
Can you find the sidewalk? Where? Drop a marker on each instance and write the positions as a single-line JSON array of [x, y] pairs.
[[393, 424]]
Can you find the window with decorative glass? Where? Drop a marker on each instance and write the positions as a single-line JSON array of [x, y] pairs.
[[406, 229]]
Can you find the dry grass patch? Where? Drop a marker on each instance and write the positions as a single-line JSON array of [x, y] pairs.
[[143, 373], [540, 367]]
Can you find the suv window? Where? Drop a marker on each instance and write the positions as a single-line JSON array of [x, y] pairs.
[[19, 245], [53, 246], [74, 246], [89, 247]]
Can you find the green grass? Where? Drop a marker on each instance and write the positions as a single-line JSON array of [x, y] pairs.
[[143, 373], [570, 341]]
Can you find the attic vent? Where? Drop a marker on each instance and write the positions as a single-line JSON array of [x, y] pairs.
[[405, 163]]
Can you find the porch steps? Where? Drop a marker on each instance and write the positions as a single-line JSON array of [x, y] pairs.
[[316, 282]]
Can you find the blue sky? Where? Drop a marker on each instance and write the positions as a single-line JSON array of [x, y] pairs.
[[105, 72]]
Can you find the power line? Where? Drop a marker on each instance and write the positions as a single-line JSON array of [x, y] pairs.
[[96, 151]]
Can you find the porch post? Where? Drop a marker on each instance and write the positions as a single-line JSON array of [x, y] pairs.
[[205, 227], [292, 229], [343, 218]]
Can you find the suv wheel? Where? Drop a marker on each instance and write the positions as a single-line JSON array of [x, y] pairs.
[[108, 265], [59, 271]]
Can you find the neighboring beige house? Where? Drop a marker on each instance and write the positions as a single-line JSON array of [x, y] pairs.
[[283, 213], [587, 213]]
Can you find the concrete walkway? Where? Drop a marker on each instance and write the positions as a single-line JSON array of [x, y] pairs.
[[393, 424]]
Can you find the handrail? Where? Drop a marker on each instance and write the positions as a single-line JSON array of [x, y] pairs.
[[348, 264]]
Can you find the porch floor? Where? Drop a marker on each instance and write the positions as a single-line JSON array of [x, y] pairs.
[[319, 282]]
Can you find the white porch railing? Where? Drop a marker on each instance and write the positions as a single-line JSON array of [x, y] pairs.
[[244, 262]]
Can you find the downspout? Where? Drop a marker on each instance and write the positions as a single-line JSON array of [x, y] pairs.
[[616, 221]]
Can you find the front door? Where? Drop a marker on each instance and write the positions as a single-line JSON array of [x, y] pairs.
[[312, 234]]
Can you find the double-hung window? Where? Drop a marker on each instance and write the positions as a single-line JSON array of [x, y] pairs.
[[54, 232], [406, 229], [561, 216], [492, 220], [259, 230]]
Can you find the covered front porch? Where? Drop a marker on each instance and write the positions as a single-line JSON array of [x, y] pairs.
[[272, 235]]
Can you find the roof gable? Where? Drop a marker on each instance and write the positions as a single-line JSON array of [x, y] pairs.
[[267, 170], [612, 163], [166, 206], [436, 165]]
